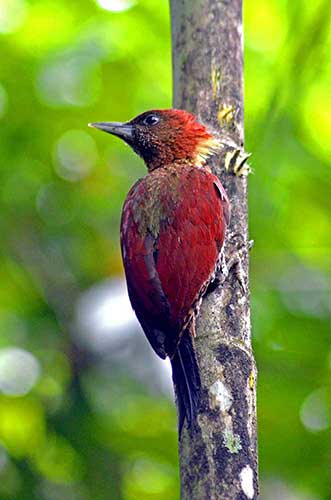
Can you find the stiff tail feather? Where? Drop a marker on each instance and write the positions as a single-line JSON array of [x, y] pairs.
[[186, 378]]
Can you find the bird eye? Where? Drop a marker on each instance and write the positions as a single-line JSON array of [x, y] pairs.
[[151, 120]]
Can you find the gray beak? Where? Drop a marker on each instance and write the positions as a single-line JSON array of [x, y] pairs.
[[122, 130]]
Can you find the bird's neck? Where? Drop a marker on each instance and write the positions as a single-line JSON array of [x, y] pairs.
[[195, 157]]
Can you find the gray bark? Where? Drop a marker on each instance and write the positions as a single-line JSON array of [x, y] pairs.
[[218, 457]]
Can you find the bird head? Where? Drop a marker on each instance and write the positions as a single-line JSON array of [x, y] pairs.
[[165, 136]]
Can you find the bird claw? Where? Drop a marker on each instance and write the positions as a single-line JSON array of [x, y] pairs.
[[236, 161], [234, 261], [240, 274], [225, 266], [222, 272]]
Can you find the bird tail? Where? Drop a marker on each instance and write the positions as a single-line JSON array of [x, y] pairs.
[[186, 378]]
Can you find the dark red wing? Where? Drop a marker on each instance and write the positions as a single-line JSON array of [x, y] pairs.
[[190, 246], [144, 287], [166, 272]]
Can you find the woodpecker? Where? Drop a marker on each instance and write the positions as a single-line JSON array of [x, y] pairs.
[[172, 232]]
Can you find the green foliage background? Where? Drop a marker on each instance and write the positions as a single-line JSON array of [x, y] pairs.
[[81, 431]]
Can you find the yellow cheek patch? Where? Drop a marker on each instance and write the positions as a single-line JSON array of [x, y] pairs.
[[206, 148]]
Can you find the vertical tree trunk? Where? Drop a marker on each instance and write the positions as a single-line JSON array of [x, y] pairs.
[[218, 457]]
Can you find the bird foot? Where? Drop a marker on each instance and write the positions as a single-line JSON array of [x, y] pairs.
[[221, 274], [236, 162], [234, 260]]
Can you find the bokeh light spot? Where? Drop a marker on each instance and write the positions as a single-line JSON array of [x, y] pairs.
[[115, 5], [75, 155], [315, 411], [58, 461], [104, 314], [148, 478], [22, 425], [266, 26], [12, 15], [113, 312], [19, 371], [69, 80], [47, 25]]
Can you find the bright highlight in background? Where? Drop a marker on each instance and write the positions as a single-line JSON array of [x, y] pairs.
[[12, 15], [315, 410], [113, 312], [75, 155], [116, 5], [19, 371], [104, 314]]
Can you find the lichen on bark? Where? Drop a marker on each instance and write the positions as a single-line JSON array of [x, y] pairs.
[[218, 456]]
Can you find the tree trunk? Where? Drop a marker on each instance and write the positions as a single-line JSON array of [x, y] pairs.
[[218, 457]]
